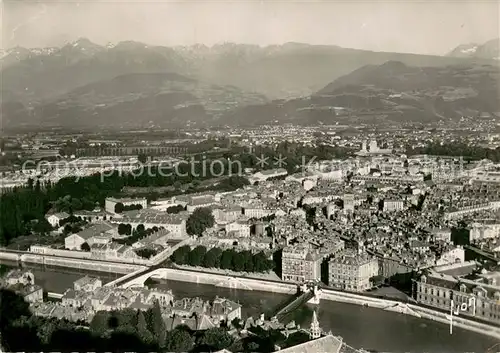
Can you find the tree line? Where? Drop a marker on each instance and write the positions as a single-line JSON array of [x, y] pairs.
[[134, 235], [24, 207], [120, 207], [228, 259]]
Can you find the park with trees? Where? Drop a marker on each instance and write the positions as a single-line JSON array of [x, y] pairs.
[[229, 259]]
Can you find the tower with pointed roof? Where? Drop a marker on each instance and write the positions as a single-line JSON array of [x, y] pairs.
[[315, 330]]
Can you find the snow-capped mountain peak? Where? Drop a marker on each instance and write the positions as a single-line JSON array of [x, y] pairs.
[[488, 50], [470, 50]]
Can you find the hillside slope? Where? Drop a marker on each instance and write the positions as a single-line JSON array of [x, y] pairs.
[[392, 91], [141, 99]]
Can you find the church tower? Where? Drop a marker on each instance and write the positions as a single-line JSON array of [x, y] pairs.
[[315, 330]]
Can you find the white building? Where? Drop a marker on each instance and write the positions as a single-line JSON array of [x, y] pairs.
[[87, 284], [227, 214], [113, 251], [480, 231], [442, 234], [393, 205], [55, 218], [309, 183], [19, 277], [98, 233], [164, 204], [452, 256], [348, 202], [238, 229], [257, 211]]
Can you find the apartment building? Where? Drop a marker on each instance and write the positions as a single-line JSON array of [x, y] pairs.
[[300, 264], [463, 211], [352, 270], [348, 200], [254, 211], [113, 251], [386, 179]]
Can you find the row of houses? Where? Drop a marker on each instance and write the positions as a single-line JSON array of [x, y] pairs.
[[88, 296]]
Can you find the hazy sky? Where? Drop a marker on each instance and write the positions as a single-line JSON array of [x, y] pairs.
[[431, 27]]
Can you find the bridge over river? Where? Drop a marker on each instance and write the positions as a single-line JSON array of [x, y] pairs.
[[301, 295], [307, 294]]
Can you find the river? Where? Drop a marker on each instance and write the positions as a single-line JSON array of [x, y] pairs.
[[361, 327]]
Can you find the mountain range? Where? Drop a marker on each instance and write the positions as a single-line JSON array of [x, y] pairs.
[[393, 92], [134, 84]]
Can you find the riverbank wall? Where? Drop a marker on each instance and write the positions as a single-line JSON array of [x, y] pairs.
[[218, 280], [68, 262], [395, 306], [10, 256], [82, 264]]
